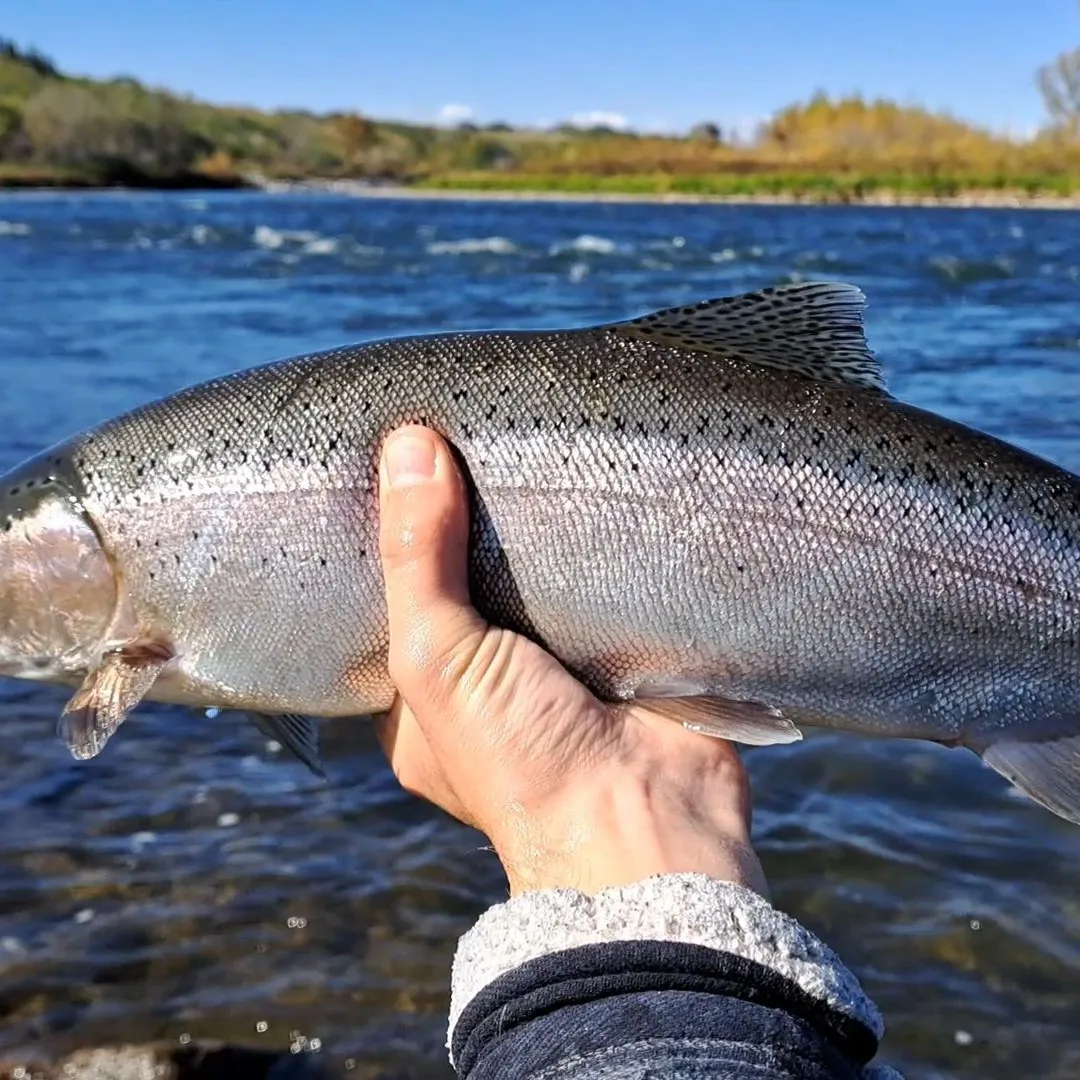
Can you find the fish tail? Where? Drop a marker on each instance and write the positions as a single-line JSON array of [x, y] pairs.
[[1048, 772]]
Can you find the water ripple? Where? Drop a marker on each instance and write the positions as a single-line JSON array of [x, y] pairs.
[[192, 880]]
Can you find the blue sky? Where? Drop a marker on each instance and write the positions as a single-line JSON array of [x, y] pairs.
[[662, 65]]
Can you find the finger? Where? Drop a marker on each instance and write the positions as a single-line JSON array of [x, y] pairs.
[[413, 762], [423, 542]]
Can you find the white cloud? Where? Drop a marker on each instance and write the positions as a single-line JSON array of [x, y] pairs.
[[455, 114], [600, 118]]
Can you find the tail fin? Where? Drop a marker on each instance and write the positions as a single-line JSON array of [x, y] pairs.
[[1048, 772]]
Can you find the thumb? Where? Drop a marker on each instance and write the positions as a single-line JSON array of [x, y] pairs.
[[423, 543]]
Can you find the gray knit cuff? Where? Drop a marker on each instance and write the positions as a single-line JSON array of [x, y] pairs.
[[688, 908]]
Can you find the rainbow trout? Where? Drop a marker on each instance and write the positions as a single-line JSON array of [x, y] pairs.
[[717, 511]]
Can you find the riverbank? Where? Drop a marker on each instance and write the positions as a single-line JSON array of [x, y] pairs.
[[990, 198], [987, 199], [40, 178]]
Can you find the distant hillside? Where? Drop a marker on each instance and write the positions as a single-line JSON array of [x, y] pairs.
[[62, 129]]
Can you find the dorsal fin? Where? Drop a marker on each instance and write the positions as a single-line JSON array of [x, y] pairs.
[[813, 329]]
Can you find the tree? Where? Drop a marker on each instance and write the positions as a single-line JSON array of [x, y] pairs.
[[70, 126], [1059, 83], [356, 134], [32, 58], [705, 132]]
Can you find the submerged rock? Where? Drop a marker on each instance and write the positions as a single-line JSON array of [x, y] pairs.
[[168, 1062]]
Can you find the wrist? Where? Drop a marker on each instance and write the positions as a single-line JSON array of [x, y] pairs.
[[619, 828]]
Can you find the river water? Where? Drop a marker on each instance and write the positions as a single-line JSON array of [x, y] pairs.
[[191, 883]]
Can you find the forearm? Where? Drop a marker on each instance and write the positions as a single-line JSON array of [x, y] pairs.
[[677, 975]]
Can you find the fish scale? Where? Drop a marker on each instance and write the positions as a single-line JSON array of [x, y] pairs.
[[686, 520]]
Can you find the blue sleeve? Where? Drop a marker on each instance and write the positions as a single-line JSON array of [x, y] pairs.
[[631, 1010]]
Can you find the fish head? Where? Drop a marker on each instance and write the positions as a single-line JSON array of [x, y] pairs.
[[58, 588]]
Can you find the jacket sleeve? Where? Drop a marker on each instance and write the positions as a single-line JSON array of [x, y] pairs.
[[677, 976]]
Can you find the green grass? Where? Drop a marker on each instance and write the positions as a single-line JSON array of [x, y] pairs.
[[805, 185]]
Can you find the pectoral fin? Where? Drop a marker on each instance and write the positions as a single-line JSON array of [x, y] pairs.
[[108, 694]]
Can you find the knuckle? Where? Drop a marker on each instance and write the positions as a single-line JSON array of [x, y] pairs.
[[397, 537], [435, 654]]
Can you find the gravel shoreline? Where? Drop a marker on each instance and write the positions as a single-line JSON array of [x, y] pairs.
[[363, 190]]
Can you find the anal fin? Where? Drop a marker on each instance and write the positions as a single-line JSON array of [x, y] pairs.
[[297, 734], [749, 722], [109, 693], [1047, 772]]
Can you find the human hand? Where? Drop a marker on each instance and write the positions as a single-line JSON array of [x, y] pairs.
[[572, 792]]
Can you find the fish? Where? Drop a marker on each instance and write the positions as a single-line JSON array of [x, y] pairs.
[[716, 512]]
